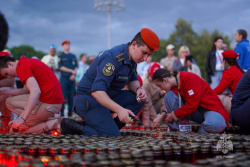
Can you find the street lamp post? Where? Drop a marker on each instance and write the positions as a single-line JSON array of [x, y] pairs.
[[106, 6]]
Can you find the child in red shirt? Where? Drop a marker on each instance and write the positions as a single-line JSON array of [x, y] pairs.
[[189, 97], [39, 99]]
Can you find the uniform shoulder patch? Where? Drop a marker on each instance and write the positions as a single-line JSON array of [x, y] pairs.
[[120, 57], [108, 69]]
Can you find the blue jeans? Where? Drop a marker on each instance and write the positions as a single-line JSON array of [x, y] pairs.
[[211, 121], [215, 79], [98, 118]]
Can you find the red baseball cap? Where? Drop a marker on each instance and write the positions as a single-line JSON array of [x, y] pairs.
[[4, 54], [150, 38], [66, 42], [152, 68], [230, 54]]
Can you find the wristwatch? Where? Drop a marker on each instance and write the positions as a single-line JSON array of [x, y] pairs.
[[138, 88]]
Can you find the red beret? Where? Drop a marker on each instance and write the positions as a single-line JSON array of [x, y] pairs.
[[152, 68], [140, 80], [4, 54], [230, 54], [64, 42], [150, 39]]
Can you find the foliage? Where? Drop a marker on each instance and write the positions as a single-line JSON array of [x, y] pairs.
[[199, 43], [25, 50]]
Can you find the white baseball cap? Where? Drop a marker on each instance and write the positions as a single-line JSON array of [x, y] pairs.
[[170, 46]]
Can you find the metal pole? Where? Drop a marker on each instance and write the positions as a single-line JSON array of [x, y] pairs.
[[100, 4], [109, 26]]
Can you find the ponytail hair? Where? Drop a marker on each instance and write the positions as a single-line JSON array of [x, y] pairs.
[[163, 73], [233, 61]]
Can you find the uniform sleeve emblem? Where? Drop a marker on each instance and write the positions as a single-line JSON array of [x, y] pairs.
[[108, 69], [190, 92]]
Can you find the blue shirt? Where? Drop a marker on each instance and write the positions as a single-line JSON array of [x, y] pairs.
[[243, 49], [110, 72], [67, 60]]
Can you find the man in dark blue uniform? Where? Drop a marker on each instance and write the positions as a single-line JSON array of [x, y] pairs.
[[68, 67], [100, 90], [241, 103]]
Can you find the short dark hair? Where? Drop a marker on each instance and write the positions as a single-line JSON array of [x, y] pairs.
[[243, 33], [138, 40], [4, 60], [4, 31]]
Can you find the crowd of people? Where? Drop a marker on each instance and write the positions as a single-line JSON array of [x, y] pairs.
[[224, 70], [122, 84]]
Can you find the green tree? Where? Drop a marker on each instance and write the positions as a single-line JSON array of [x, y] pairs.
[[199, 43], [184, 35], [25, 50]]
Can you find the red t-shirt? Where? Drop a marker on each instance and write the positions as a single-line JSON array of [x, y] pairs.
[[196, 92], [230, 79], [51, 92]]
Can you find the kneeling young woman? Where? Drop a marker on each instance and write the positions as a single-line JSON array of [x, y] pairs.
[[189, 97]]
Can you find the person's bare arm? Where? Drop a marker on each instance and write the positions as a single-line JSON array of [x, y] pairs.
[[65, 69], [7, 82], [14, 92], [35, 92]]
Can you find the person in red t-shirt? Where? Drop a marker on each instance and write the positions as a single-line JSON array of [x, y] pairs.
[[189, 97], [230, 78], [39, 99]]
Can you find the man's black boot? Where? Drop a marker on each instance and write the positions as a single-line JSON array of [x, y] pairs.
[[70, 126]]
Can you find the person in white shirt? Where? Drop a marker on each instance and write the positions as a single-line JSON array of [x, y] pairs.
[[51, 60], [214, 64], [167, 62]]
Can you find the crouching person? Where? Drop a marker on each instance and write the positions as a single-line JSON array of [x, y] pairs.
[[100, 90], [39, 99], [189, 97]]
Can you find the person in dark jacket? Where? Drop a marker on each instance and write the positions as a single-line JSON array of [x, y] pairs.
[[214, 64], [241, 103]]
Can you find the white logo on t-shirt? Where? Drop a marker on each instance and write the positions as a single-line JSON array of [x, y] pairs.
[[190, 92]]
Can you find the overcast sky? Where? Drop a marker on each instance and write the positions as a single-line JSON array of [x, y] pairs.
[[40, 23]]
